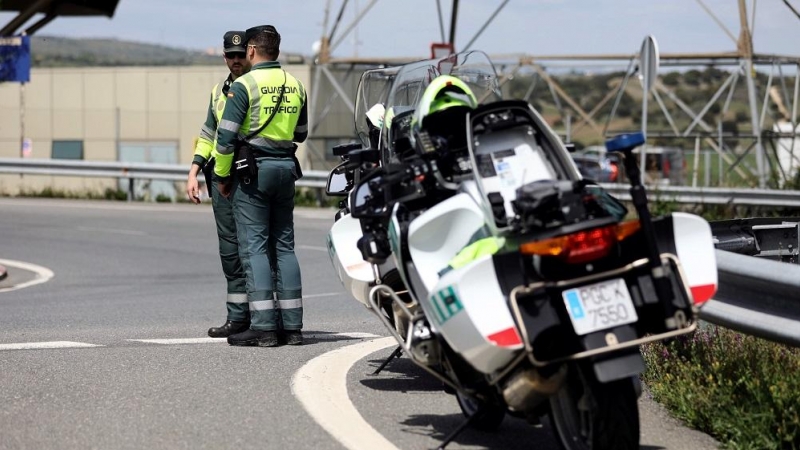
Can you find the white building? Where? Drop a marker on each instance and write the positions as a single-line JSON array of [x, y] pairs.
[[136, 114]]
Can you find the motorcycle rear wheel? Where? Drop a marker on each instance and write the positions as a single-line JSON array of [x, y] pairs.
[[589, 415], [491, 415]]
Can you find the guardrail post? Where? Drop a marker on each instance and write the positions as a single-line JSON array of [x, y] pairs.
[[320, 197], [130, 189]]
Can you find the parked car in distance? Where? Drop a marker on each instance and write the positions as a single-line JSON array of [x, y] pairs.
[[599, 165], [665, 165]]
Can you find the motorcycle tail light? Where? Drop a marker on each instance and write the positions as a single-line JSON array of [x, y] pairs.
[[582, 246], [626, 229]]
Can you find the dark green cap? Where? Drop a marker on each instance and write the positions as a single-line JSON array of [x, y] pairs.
[[233, 41], [251, 32]]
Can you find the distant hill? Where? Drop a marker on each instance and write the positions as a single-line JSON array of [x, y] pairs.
[[50, 51]]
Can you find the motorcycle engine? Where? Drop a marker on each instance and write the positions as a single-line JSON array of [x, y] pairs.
[[423, 344]]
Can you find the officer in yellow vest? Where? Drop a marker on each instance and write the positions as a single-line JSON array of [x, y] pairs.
[[238, 318], [264, 116]]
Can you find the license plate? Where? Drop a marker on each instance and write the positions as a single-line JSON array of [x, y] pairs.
[[599, 306]]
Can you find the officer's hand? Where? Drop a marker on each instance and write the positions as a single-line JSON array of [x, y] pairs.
[[224, 189], [193, 190]]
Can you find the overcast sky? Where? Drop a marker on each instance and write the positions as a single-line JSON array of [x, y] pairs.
[[407, 27]]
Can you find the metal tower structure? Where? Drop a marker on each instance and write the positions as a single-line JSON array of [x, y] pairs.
[[773, 122], [51, 9]]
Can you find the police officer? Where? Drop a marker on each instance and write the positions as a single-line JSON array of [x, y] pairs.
[[266, 112], [238, 314]]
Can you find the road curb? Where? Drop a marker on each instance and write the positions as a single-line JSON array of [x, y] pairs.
[[3, 273]]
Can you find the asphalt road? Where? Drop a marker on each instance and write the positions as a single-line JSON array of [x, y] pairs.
[[126, 362]]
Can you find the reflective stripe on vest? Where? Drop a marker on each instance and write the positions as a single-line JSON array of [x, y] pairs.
[[263, 88]]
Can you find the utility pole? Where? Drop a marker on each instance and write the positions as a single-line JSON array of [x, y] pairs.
[[745, 48]]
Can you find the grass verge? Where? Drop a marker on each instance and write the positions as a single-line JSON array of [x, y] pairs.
[[742, 390]]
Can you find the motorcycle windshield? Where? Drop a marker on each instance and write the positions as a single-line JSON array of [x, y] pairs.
[[477, 71], [474, 68], [407, 88], [372, 96]]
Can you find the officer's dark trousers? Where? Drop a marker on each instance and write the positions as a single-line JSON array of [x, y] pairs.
[[264, 209], [229, 254]]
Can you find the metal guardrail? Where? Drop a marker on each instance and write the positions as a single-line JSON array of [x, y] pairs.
[[123, 170], [715, 196], [318, 178], [756, 296]]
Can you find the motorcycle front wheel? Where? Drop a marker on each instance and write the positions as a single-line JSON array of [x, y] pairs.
[[589, 415]]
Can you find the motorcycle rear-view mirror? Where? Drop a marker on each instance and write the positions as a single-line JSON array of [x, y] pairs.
[[367, 198], [337, 182], [343, 149], [365, 155]]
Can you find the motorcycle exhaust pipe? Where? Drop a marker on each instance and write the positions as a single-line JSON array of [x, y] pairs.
[[527, 388]]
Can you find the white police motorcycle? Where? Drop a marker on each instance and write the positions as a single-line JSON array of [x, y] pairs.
[[531, 292], [385, 99]]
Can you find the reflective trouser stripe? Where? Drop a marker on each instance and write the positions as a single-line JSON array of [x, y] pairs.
[[292, 318], [291, 303], [237, 298], [262, 305], [236, 303]]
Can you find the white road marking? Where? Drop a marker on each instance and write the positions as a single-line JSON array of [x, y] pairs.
[[321, 387], [43, 274], [209, 340], [104, 205], [322, 295], [206, 340], [304, 212], [313, 247], [315, 213], [347, 335], [44, 345], [114, 231]]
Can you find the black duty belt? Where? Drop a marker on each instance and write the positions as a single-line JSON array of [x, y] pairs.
[[298, 171], [262, 154]]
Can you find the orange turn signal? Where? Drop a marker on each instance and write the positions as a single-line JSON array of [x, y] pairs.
[[584, 245]]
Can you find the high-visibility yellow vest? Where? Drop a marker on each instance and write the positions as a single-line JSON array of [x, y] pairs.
[[218, 100], [264, 87], [205, 144]]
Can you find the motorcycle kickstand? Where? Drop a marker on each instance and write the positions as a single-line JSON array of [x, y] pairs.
[[453, 434], [395, 354]]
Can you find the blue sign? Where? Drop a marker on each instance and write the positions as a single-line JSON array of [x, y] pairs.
[[576, 310], [15, 59]]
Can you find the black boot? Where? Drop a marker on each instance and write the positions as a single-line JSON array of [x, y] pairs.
[[251, 338], [228, 329], [293, 337]]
